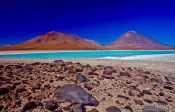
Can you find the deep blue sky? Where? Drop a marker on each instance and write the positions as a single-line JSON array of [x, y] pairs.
[[101, 20]]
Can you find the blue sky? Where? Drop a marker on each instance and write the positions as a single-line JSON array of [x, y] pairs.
[[100, 20]]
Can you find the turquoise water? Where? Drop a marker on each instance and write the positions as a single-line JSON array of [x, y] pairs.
[[87, 54]]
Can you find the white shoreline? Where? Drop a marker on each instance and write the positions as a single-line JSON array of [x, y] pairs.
[[53, 51], [151, 57]]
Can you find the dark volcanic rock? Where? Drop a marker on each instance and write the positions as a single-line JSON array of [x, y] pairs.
[[78, 108], [1, 107], [4, 91], [168, 87], [128, 108], [75, 94], [28, 106], [80, 78], [161, 94], [20, 90], [125, 74], [170, 79], [93, 110], [138, 102], [35, 87], [50, 106], [122, 96], [113, 109], [90, 85], [147, 92]]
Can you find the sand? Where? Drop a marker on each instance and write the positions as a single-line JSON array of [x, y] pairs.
[[164, 63]]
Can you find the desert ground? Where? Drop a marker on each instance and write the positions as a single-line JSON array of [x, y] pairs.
[[88, 85]]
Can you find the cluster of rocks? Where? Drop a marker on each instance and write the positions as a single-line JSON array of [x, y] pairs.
[[72, 87]]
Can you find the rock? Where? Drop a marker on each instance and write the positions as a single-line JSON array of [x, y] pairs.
[[128, 108], [113, 109], [79, 70], [4, 91], [80, 78], [93, 110], [146, 92], [18, 103], [125, 74], [138, 102], [147, 72], [168, 87], [75, 94], [153, 108], [50, 106], [162, 102], [170, 79], [60, 77], [78, 108], [148, 101], [161, 94], [59, 61], [1, 107], [20, 90], [122, 96], [36, 63], [90, 86], [29, 106], [36, 87]]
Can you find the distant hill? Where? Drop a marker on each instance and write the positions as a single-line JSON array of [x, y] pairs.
[[55, 41], [61, 41], [135, 40]]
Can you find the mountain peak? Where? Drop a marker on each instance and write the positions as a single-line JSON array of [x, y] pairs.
[[131, 31], [135, 40]]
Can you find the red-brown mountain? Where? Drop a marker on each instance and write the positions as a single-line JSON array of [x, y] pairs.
[[61, 41], [134, 40], [55, 41]]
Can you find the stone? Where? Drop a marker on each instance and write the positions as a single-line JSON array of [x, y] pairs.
[[147, 92], [1, 107], [125, 74], [168, 87], [29, 106], [148, 101], [170, 79], [93, 110], [75, 94], [50, 106], [161, 94], [59, 77], [80, 78], [59, 61], [4, 91], [113, 109], [122, 96], [20, 90], [128, 108], [90, 86], [138, 102], [36, 87], [78, 108]]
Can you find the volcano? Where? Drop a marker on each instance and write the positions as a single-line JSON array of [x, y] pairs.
[[55, 41], [134, 40]]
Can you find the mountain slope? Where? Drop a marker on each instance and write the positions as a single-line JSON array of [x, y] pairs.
[[134, 40], [55, 41]]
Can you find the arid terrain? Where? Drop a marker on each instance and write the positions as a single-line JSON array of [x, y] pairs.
[[61, 41], [97, 85]]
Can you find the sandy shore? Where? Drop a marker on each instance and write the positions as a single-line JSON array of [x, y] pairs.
[[164, 63]]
